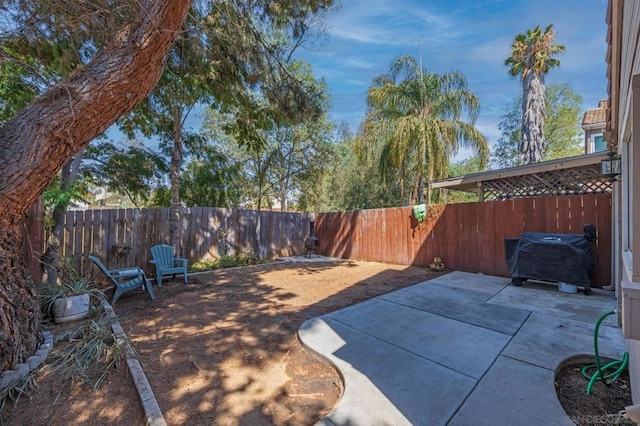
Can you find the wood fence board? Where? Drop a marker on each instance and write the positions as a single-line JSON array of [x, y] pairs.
[[131, 235], [500, 210], [109, 229], [353, 236], [358, 229], [451, 219], [133, 228], [414, 243], [350, 236], [203, 237], [468, 246], [87, 238], [355, 230], [374, 239], [328, 231], [528, 213], [404, 234], [400, 236], [378, 235], [75, 244], [551, 214], [589, 216], [429, 244], [218, 234], [270, 238], [390, 230], [486, 250], [471, 251], [604, 243], [142, 235], [423, 230], [346, 238], [564, 215], [540, 213], [576, 216], [67, 235], [363, 231], [213, 223], [464, 240], [95, 234], [278, 238], [516, 223], [370, 229]]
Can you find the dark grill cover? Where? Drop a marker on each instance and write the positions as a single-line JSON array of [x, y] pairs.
[[550, 257]]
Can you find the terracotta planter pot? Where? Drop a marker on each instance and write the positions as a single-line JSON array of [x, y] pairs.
[[71, 308]]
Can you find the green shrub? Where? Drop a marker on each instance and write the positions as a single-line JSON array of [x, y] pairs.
[[243, 259]]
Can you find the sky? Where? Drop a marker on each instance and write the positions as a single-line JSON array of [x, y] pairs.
[[473, 37]]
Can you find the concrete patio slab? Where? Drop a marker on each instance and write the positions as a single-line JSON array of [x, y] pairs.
[[546, 298], [458, 351], [545, 340], [461, 304], [381, 389], [513, 393], [460, 346], [469, 281]]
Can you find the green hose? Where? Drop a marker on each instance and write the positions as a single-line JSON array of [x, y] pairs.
[[619, 364]]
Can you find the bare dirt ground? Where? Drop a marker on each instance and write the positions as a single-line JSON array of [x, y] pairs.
[[223, 349], [602, 406]]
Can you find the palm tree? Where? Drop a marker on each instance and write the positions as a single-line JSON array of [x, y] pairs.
[[532, 58], [415, 118]]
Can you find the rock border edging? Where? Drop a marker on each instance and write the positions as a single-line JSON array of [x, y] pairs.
[[9, 377], [152, 412]]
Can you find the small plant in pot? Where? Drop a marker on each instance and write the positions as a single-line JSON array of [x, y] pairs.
[[70, 298]]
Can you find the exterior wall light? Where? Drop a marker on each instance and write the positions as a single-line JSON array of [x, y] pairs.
[[611, 167]]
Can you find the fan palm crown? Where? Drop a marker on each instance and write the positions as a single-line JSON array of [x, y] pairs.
[[416, 118]]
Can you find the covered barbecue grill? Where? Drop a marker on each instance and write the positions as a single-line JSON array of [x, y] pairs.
[[542, 256]]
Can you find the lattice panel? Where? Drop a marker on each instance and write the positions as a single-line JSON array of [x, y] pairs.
[[581, 180]]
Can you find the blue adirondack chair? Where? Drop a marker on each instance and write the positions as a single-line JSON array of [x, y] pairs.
[[125, 279], [166, 262]]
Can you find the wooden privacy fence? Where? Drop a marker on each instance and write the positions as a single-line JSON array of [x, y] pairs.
[[124, 237], [468, 237]]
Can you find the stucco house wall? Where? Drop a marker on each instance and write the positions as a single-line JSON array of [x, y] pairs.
[[623, 136]]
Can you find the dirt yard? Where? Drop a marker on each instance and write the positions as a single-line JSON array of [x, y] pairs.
[[223, 349]]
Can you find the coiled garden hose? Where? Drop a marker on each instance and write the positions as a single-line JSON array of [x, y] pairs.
[[619, 365]]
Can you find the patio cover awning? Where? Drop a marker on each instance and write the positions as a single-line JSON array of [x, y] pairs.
[[566, 176]]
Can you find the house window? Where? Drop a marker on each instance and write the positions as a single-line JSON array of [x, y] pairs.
[[598, 143]]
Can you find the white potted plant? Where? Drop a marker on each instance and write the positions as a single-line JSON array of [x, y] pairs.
[[69, 299]]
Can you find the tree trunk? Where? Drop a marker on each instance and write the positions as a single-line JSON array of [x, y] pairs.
[[175, 230], [43, 136], [19, 308], [51, 257], [283, 201], [532, 136]]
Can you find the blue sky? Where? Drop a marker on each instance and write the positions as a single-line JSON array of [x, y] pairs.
[[473, 37]]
